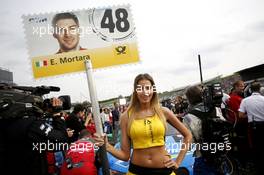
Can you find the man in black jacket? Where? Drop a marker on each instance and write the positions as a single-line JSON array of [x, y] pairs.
[[75, 121], [24, 142]]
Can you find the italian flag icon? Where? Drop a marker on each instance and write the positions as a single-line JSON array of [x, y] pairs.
[[41, 63]]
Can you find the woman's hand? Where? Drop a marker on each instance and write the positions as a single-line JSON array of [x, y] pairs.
[[170, 163], [100, 140]]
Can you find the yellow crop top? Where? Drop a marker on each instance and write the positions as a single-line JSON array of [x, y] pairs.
[[147, 132]]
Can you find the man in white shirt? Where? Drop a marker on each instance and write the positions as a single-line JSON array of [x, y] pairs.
[[253, 108]]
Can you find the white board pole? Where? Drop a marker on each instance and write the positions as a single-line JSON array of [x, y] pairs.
[[96, 114], [93, 97]]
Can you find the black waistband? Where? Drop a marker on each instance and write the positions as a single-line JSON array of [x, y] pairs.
[[139, 170]]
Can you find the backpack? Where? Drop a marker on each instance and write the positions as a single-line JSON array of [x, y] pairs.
[[215, 138]]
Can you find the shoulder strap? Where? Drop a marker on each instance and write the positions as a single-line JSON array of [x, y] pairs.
[[202, 115], [196, 113]]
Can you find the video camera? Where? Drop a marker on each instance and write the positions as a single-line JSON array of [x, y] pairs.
[[19, 101], [212, 95]]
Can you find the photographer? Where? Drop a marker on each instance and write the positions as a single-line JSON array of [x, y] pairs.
[[75, 121], [203, 120], [27, 132], [194, 97]]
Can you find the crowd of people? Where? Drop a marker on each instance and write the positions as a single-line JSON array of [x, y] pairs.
[[140, 125], [67, 143], [243, 108]]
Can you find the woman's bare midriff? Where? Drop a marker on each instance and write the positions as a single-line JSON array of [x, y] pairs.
[[150, 157]]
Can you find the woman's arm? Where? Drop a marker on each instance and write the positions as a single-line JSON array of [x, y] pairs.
[[174, 121]]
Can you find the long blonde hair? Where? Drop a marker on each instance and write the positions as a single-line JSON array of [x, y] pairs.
[[135, 104]]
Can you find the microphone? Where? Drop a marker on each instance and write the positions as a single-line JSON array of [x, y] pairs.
[[51, 88], [39, 90]]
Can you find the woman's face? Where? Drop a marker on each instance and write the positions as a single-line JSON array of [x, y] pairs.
[[144, 91]]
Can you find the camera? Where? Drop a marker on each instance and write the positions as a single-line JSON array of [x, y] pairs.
[[66, 104], [21, 101], [212, 95]]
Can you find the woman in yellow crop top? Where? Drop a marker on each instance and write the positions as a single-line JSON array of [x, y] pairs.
[[143, 126]]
